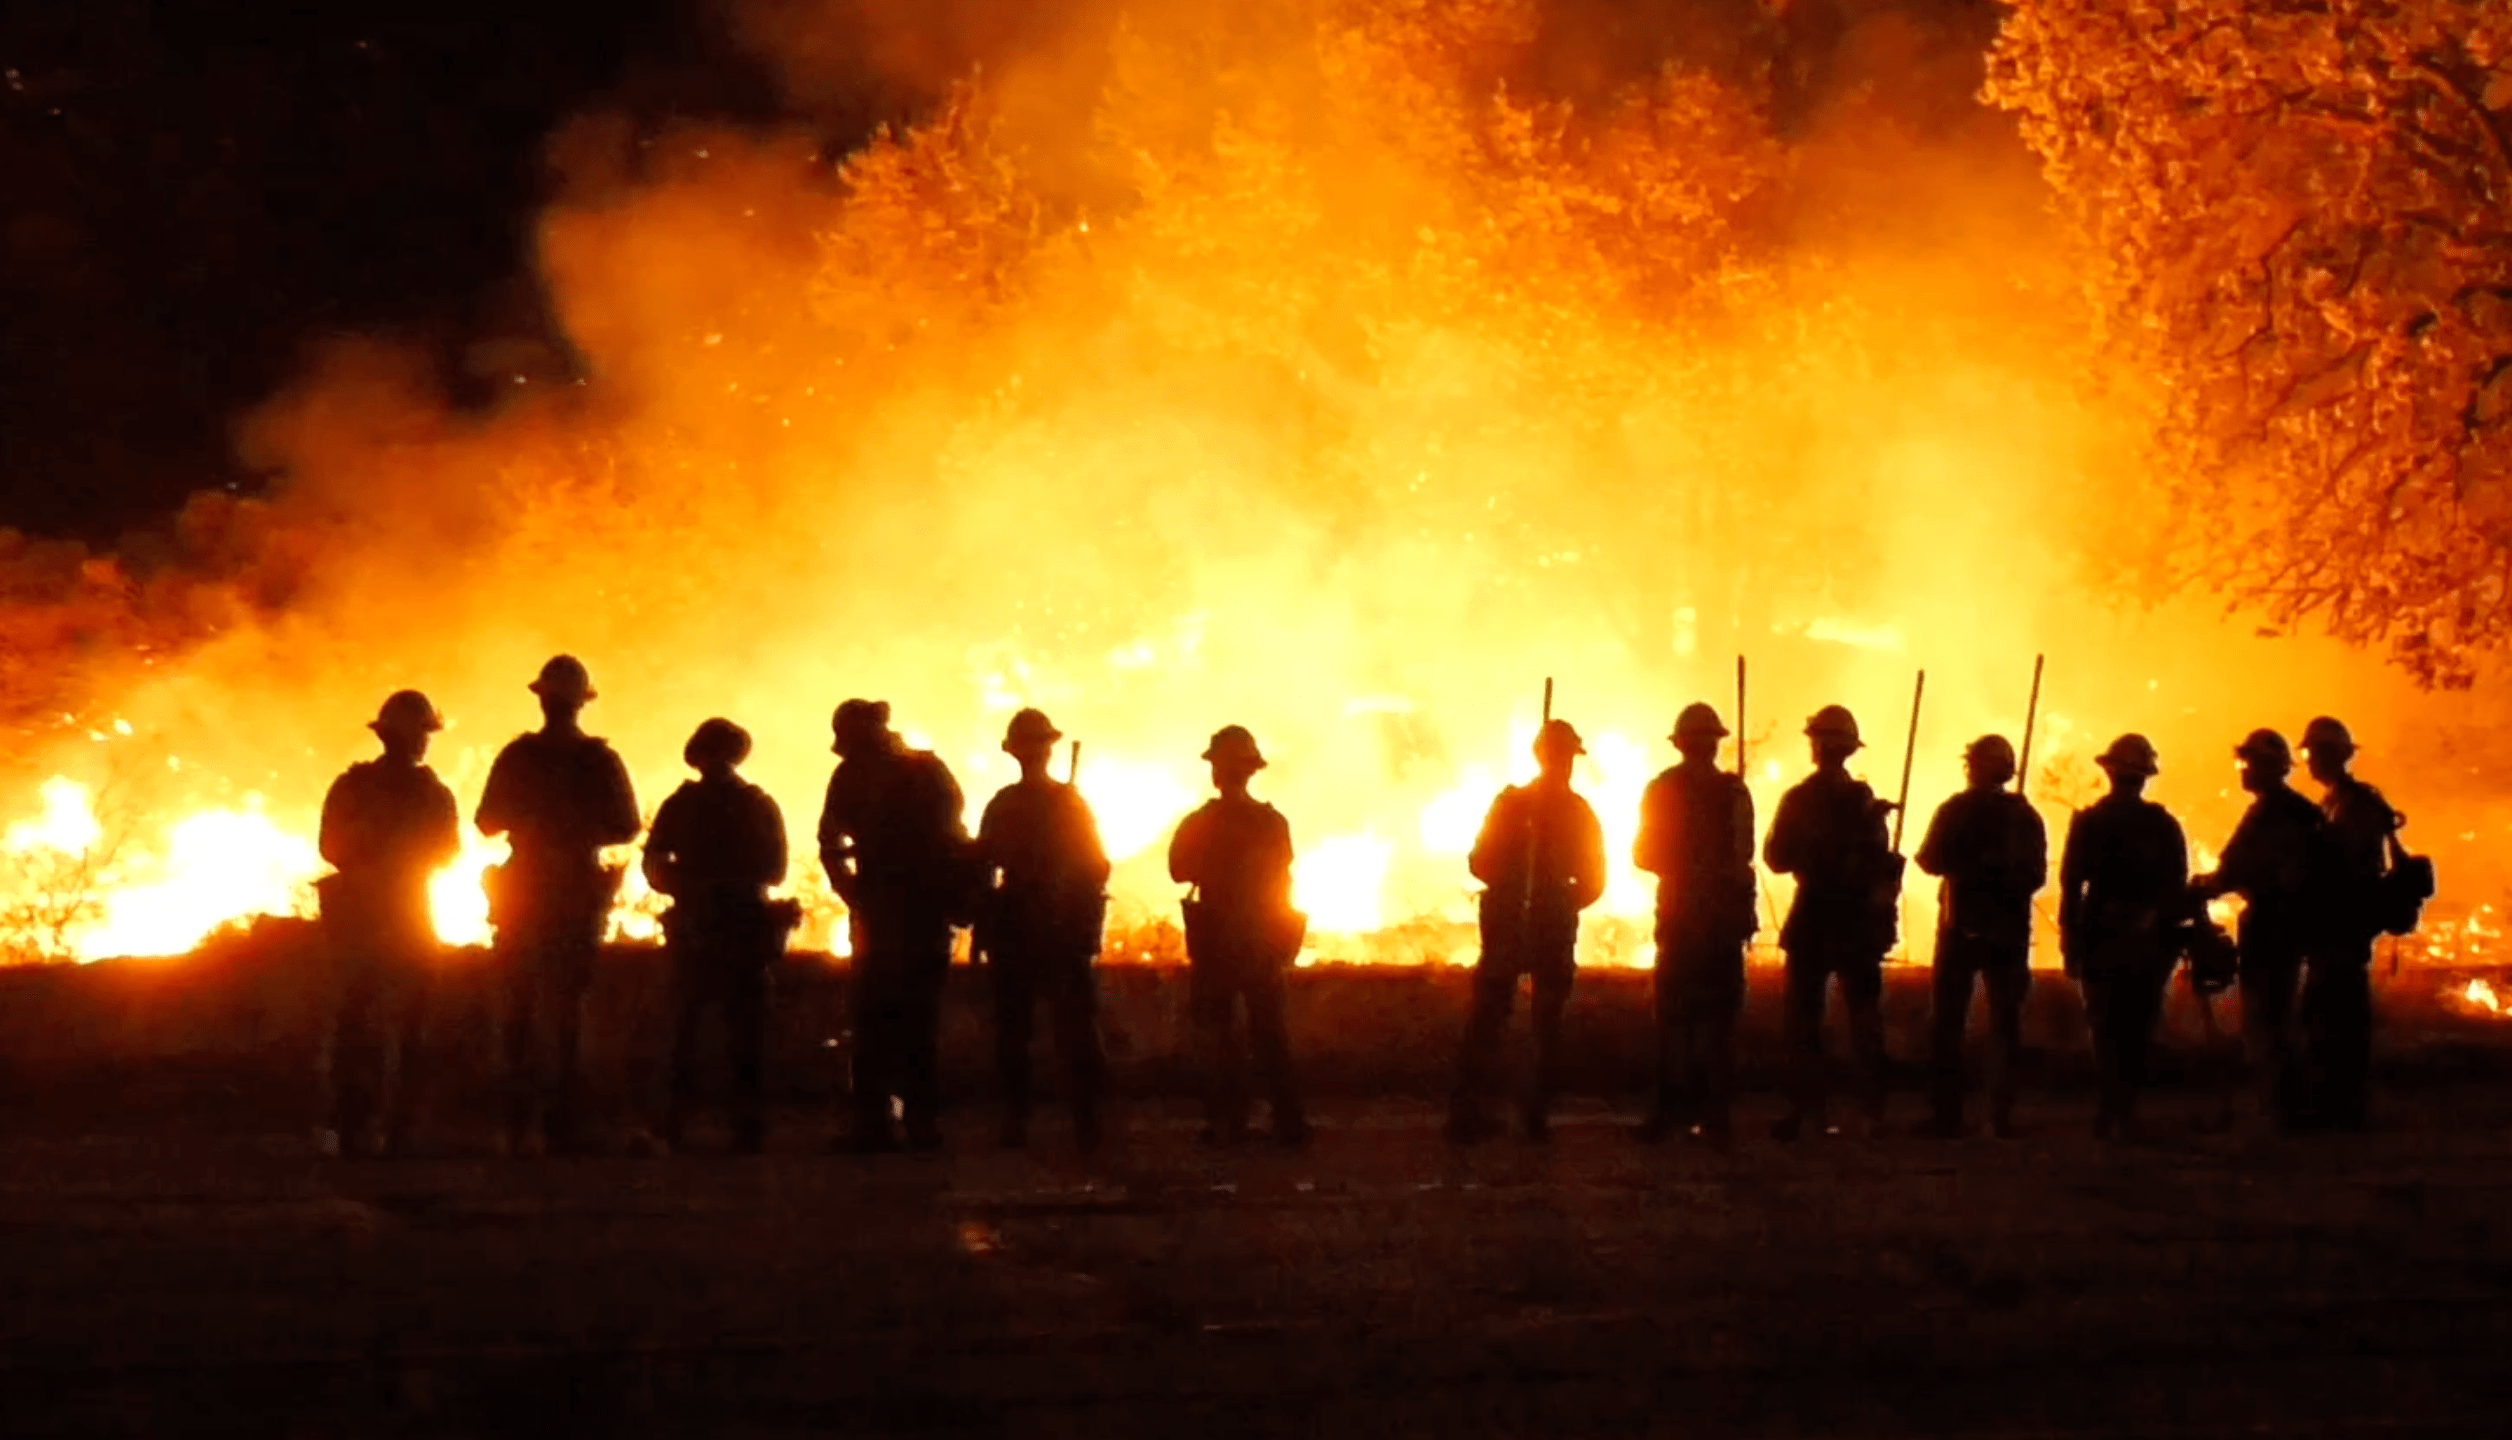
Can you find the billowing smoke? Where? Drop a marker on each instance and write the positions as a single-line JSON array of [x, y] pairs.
[[1342, 369]]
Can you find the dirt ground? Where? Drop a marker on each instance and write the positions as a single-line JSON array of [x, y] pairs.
[[190, 1273]]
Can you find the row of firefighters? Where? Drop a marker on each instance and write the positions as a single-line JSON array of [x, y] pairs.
[[2320, 883]]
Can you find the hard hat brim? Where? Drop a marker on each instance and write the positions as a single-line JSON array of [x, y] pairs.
[[563, 692], [1557, 735]]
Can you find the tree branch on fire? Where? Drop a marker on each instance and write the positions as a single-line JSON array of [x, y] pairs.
[[2331, 182]]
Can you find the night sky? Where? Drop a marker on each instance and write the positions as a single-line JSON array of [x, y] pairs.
[[193, 192], [196, 193]]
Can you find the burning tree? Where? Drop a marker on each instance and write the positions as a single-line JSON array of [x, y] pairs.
[[59, 868], [2301, 212], [1341, 222]]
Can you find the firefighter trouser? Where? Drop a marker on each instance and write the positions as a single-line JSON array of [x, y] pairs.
[[2269, 979], [2005, 966], [1860, 970], [898, 1025], [547, 970], [370, 1067], [1699, 990], [1066, 984], [1495, 994], [2123, 1003], [739, 992], [1217, 987], [2337, 1024]]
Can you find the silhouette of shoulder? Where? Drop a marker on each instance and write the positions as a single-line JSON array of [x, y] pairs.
[[1221, 833]]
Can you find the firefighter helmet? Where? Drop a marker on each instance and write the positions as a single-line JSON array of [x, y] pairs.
[[406, 712], [2328, 735], [564, 678], [1030, 727], [2130, 754], [717, 741], [1559, 736], [1698, 719], [1834, 722], [2266, 747], [1235, 745]]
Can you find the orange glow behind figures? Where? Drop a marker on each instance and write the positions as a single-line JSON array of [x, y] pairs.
[[1296, 367]]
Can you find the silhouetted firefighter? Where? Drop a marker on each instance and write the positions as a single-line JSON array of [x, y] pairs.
[[388, 825], [1242, 934], [896, 850], [2122, 906], [2367, 873], [1829, 834], [559, 796], [717, 846], [1043, 905], [2278, 862], [1988, 845], [1541, 858], [1696, 837]]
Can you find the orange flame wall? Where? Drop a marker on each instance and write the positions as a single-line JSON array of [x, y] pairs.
[[1303, 374]]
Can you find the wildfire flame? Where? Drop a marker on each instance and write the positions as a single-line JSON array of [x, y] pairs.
[[213, 867], [1330, 382]]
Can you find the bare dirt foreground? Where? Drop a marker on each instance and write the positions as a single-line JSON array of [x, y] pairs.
[[169, 1276]]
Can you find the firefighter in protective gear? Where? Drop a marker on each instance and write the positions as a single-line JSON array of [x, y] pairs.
[[388, 826], [1988, 846], [1829, 834], [1043, 905], [2122, 903], [1242, 935], [2277, 861], [2337, 994], [559, 796], [1696, 837], [896, 849], [1541, 858], [717, 846]]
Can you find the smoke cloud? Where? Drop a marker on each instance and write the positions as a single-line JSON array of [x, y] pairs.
[[1339, 369]]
